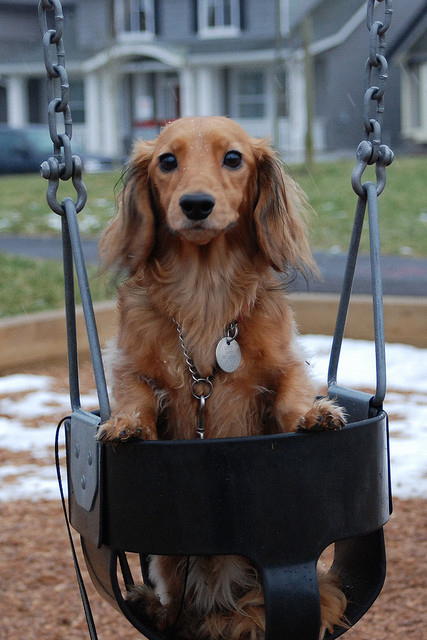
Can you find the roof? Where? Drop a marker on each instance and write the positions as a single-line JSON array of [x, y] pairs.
[[413, 32]]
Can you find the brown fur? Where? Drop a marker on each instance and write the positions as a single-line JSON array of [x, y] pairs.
[[205, 274]]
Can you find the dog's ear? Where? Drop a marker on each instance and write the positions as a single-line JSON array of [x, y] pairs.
[[280, 214], [129, 240]]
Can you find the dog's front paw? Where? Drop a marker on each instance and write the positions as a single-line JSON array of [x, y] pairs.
[[325, 415], [123, 427]]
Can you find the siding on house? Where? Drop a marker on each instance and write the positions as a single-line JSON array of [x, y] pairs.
[[124, 82]]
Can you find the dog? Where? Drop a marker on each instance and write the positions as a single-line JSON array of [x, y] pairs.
[[208, 228]]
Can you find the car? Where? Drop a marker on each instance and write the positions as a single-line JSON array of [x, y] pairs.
[[23, 149]]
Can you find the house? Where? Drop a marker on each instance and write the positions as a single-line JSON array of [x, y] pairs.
[[410, 53], [135, 64]]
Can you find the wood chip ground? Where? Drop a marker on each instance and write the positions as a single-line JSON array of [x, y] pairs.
[[40, 600]]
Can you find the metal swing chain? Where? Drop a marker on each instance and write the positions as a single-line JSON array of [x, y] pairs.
[[370, 151], [63, 165]]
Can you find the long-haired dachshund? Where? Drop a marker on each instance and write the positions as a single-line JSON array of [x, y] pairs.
[[206, 342]]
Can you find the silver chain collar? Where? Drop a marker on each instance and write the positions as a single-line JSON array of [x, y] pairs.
[[198, 379]]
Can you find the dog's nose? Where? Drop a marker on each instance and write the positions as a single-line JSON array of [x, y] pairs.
[[197, 206]]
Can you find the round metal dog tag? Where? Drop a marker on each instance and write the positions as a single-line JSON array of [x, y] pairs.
[[228, 355]]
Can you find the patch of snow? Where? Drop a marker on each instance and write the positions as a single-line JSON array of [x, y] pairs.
[[405, 403]]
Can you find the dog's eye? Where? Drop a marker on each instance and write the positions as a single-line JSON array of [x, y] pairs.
[[232, 159], [168, 162]]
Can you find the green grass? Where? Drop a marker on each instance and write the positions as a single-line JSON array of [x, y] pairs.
[[402, 205], [24, 210], [28, 285]]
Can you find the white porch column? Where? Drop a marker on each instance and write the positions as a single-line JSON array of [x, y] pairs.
[[187, 92], [107, 105], [93, 121], [207, 92], [17, 101], [297, 110]]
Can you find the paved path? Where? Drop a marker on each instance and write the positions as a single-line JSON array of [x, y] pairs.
[[401, 275]]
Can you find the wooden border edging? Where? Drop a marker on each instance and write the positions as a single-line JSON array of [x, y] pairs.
[[405, 317], [40, 337]]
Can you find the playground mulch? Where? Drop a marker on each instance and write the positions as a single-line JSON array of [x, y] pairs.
[[39, 597]]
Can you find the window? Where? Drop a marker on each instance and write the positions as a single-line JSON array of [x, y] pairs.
[[250, 96], [253, 92], [3, 104], [167, 96], [281, 94], [135, 16], [219, 18], [414, 100], [77, 101]]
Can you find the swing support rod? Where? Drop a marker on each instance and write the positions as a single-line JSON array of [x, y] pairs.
[[72, 247], [63, 166], [371, 203], [370, 151]]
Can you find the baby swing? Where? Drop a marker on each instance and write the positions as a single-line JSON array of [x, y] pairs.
[[278, 500]]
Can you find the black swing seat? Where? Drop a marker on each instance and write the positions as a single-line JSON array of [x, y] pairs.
[[278, 500]]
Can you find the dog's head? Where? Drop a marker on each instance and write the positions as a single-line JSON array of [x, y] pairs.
[[201, 179]]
